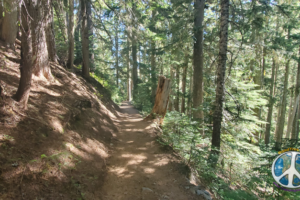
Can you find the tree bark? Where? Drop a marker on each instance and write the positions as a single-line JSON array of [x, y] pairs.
[[218, 111], [117, 51], [295, 129], [153, 70], [71, 35], [50, 36], [271, 103], [198, 60], [186, 64], [161, 99], [171, 103], [176, 101], [281, 121], [26, 65], [39, 44], [134, 53], [90, 33], [9, 23], [85, 41]]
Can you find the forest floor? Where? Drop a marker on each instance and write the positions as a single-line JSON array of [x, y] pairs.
[[73, 142]]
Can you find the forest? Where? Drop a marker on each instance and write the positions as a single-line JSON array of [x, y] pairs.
[[233, 69]]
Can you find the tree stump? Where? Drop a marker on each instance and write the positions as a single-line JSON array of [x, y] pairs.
[[161, 99]]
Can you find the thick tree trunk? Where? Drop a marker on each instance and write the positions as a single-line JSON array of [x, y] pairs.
[[85, 41], [90, 33], [218, 111], [198, 60], [26, 66], [281, 121], [39, 44], [9, 23], [71, 35], [186, 64], [134, 52], [50, 37], [161, 99], [271, 103], [176, 101], [295, 129]]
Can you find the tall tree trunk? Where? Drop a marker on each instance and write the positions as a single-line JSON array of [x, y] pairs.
[[50, 37], [78, 53], [9, 23], [218, 111], [176, 101], [171, 102], [153, 71], [281, 121], [186, 64], [19, 20], [90, 34], [190, 97], [128, 72], [271, 103], [85, 41], [134, 53], [291, 109], [198, 60], [117, 53], [71, 35], [26, 65], [60, 14], [295, 129], [39, 44]]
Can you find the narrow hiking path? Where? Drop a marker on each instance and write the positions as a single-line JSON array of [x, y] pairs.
[[141, 168]]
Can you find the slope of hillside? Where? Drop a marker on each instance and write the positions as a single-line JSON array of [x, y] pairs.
[[57, 148]]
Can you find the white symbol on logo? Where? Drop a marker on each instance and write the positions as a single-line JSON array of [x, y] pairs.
[[290, 172]]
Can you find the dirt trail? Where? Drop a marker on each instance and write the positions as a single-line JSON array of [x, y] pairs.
[[139, 167]]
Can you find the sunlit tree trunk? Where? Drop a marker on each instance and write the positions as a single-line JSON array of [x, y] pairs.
[[117, 51], [171, 101], [50, 37], [161, 98], [153, 70], [90, 34], [85, 41], [128, 71], [39, 44], [71, 35], [134, 52], [218, 109], [280, 123], [271, 103], [9, 23], [26, 65], [198, 60], [177, 79], [295, 127], [184, 72], [190, 97]]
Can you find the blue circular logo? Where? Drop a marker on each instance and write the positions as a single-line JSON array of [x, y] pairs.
[[286, 169]]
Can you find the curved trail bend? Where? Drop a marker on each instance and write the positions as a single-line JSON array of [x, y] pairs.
[[139, 167]]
